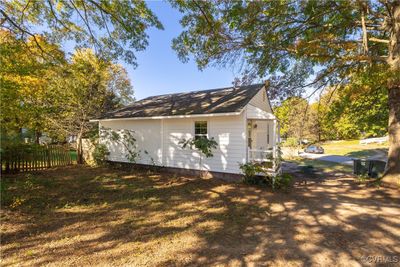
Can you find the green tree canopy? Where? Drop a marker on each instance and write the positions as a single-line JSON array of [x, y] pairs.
[[54, 94], [292, 115], [271, 35], [113, 28], [84, 89], [24, 82], [360, 109]]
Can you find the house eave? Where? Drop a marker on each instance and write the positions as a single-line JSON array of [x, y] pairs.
[[172, 117]]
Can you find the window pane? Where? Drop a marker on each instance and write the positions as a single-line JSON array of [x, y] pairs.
[[200, 128]]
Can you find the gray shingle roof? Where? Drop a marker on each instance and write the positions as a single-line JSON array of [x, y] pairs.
[[223, 100]]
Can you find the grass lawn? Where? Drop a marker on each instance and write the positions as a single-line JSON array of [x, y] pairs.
[[98, 216], [353, 148]]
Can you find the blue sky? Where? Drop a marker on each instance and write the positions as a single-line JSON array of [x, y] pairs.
[[160, 71]]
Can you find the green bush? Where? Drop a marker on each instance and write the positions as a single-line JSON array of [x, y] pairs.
[[251, 175], [250, 171], [291, 142], [12, 148], [100, 154], [282, 181]]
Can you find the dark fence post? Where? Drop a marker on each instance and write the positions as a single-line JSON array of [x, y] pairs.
[[47, 153]]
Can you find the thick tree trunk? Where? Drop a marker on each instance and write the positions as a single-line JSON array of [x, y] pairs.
[[393, 164], [392, 174]]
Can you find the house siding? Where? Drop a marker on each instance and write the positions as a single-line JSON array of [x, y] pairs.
[[261, 101], [147, 134], [160, 137], [229, 133]]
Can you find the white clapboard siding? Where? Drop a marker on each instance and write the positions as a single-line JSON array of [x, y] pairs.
[[228, 131], [148, 137], [261, 101], [254, 112]]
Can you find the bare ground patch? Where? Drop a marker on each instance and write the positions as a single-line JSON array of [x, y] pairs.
[[99, 216]]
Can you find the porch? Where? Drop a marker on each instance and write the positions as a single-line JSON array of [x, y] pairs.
[[263, 140]]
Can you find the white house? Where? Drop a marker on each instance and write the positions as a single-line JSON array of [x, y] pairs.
[[239, 119]]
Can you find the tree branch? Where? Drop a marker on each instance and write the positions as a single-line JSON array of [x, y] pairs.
[[100, 7], [377, 40], [205, 17], [85, 21], [23, 10], [365, 34], [24, 31], [55, 16]]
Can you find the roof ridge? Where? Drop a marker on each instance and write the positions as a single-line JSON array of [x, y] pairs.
[[199, 91]]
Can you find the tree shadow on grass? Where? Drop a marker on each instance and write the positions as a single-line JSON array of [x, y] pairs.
[[105, 216], [368, 152]]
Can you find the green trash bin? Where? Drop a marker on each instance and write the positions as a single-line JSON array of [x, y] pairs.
[[370, 168], [360, 167], [376, 168]]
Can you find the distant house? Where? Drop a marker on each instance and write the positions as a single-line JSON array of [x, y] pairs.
[[240, 120]]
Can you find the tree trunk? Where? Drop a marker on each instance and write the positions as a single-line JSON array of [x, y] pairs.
[[79, 152], [37, 136], [392, 173], [393, 164]]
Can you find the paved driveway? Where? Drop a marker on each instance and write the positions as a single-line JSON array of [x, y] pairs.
[[332, 158]]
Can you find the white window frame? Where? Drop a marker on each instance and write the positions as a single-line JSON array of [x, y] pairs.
[[194, 129]]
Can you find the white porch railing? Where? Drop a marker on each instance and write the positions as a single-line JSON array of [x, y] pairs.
[[261, 155], [269, 158]]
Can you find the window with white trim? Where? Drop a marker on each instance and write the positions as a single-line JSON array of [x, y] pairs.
[[200, 129]]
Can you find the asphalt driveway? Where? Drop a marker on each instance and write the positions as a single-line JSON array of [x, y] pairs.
[[332, 158]]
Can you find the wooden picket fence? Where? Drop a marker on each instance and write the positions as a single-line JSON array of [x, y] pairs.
[[25, 159]]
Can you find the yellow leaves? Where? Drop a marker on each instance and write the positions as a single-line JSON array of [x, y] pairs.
[[24, 77], [5, 36], [85, 55], [24, 81], [17, 201], [59, 6], [76, 28], [33, 85], [325, 46]]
